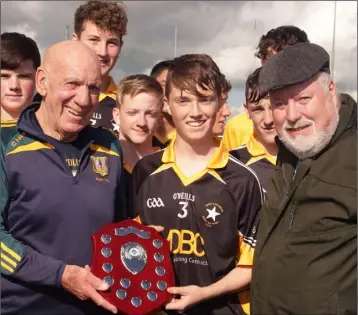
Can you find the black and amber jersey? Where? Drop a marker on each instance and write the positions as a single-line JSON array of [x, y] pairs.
[[254, 155], [209, 218], [162, 142], [103, 117]]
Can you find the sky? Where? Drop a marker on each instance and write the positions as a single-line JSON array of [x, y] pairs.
[[228, 31]]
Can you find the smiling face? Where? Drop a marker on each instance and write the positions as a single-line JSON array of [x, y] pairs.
[[17, 89], [261, 115], [194, 116], [106, 44], [70, 88], [306, 115], [138, 116]]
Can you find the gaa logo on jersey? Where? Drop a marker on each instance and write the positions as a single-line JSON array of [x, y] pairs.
[[213, 213], [155, 203]]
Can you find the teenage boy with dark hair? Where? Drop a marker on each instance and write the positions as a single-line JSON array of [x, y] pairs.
[[260, 152], [239, 128], [277, 39], [20, 58], [101, 25], [210, 209]]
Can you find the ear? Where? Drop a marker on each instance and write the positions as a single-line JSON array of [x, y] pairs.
[[115, 115], [166, 107], [41, 81], [246, 109], [75, 37], [332, 88]]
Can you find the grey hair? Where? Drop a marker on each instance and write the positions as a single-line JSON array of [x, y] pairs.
[[324, 78]]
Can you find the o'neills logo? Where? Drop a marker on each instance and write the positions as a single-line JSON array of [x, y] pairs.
[[184, 196]]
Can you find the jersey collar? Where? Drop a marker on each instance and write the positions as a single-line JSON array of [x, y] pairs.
[[166, 138], [111, 90], [257, 150], [219, 160]]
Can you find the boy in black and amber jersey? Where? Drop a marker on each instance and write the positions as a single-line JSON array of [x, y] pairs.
[[138, 110], [206, 200], [261, 149], [101, 25]]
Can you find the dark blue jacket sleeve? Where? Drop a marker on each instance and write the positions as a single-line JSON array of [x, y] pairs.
[[19, 260]]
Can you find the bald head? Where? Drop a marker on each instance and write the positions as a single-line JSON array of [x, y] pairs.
[[68, 52], [69, 81]]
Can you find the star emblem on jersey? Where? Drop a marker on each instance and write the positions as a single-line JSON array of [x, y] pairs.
[[115, 127], [214, 211]]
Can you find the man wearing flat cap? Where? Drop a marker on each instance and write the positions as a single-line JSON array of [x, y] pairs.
[[306, 252]]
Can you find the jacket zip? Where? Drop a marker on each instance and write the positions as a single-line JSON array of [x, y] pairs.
[[292, 216]]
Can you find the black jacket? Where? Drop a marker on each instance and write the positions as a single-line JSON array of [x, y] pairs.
[[306, 255]]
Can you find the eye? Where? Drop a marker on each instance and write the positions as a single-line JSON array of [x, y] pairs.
[[72, 85], [183, 101], [94, 89], [304, 99], [5, 75], [205, 100], [25, 76], [113, 43], [278, 104], [152, 114], [257, 109]]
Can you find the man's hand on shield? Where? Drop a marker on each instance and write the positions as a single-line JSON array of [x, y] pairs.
[[83, 284]]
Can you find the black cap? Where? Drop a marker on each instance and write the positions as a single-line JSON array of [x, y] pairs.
[[292, 65]]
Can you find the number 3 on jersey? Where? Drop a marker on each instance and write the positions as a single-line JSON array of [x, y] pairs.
[[184, 212]]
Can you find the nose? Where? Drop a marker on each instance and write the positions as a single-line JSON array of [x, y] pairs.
[[14, 83], [141, 121], [268, 120], [102, 50], [226, 110], [195, 110], [82, 97], [293, 115]]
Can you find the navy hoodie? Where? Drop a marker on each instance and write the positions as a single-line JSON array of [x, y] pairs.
[[48, 215]]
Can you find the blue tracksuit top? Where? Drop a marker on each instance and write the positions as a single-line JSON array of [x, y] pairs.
[[48, 215]]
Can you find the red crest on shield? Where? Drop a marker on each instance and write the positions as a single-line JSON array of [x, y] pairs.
[[134, 260]]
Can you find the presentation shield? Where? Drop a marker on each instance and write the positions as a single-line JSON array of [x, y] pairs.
[[134, 260]]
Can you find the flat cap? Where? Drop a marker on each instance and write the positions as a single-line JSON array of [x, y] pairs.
[[292, 65]]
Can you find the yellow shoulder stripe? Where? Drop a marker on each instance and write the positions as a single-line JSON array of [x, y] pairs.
[[7, 259], [7, 267], [37, 145], [216, 175], [99, 148], [161, 168], [4, 125], [10, 251]]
